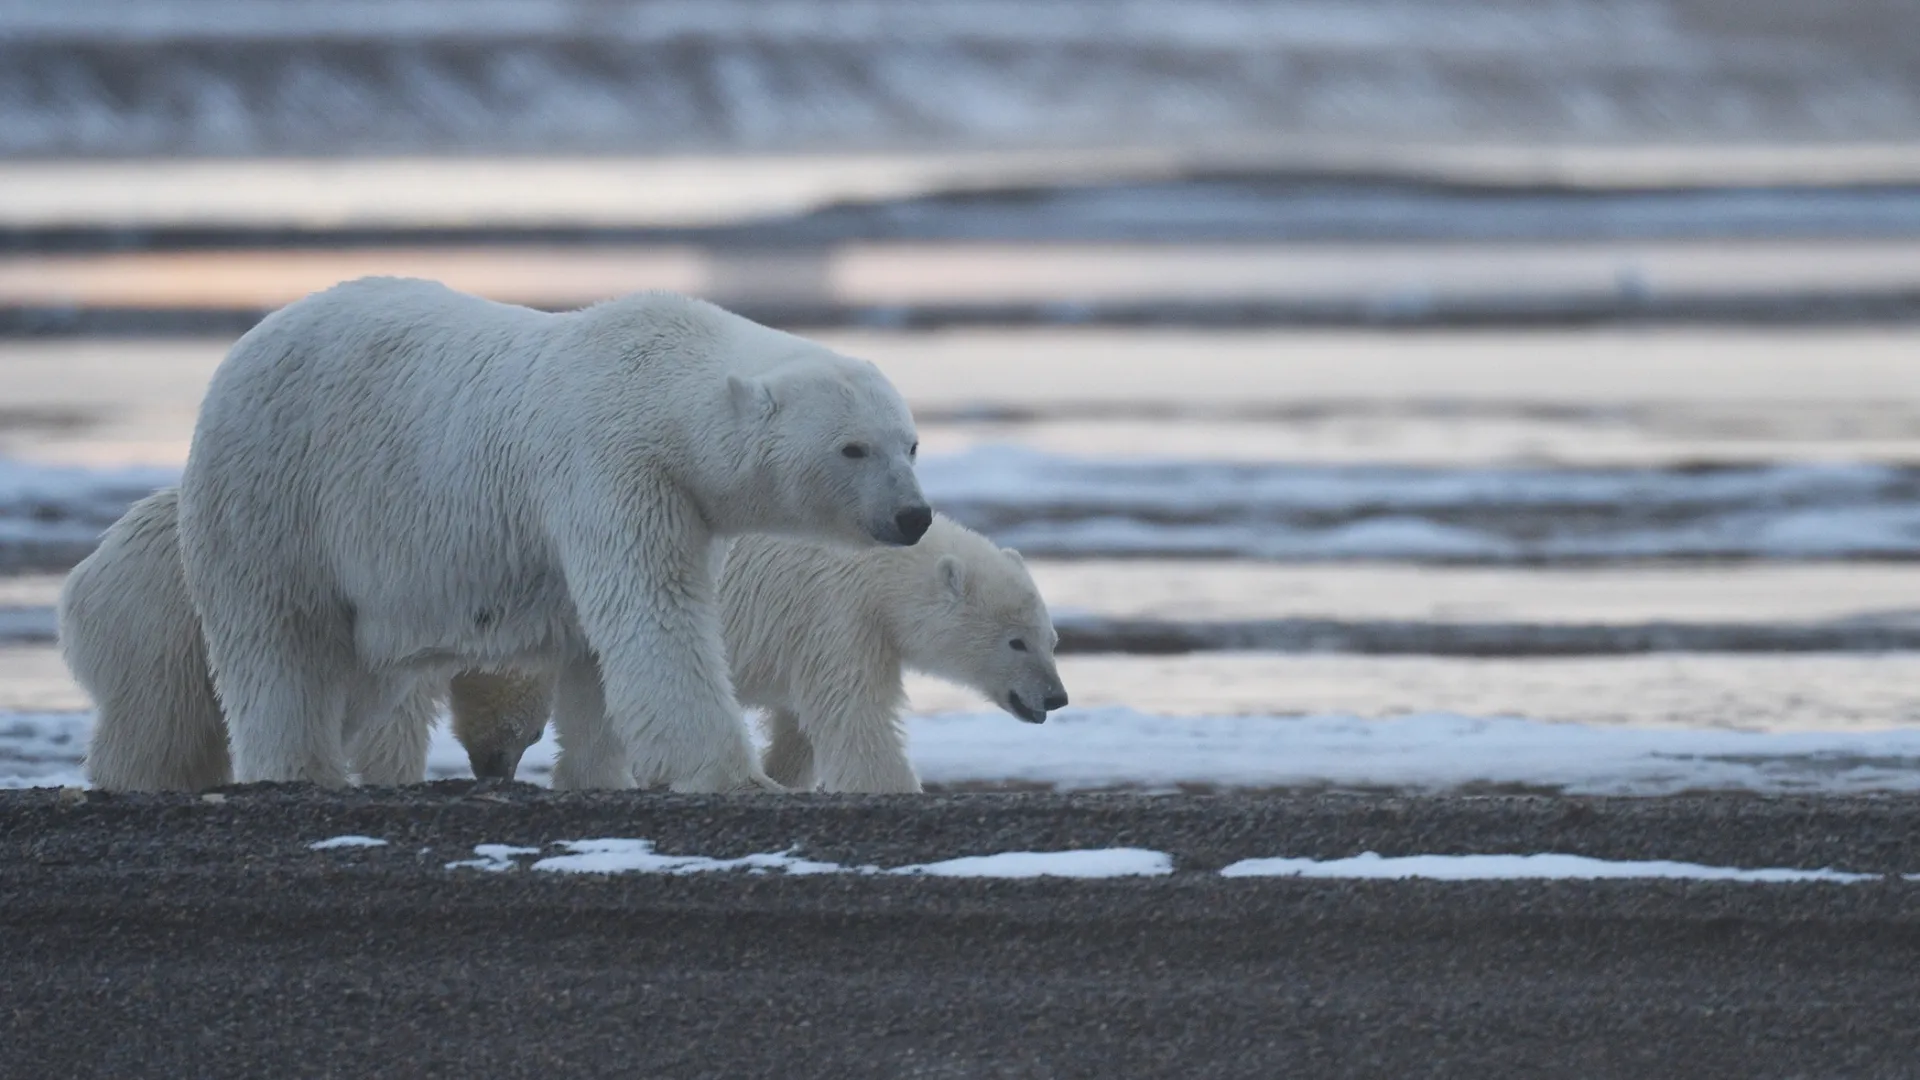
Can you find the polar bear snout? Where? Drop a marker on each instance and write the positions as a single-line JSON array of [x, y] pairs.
[[904, 527], [495, 763], [912, 523], [1019, 707], [881, 482], [1055, 698]]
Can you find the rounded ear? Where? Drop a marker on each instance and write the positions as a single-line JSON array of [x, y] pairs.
[[751, 397], [952, 575], [1014, 555]]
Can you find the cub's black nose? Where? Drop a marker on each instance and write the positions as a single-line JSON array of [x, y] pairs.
[[913, 523], [498, 765], [1055, 701]]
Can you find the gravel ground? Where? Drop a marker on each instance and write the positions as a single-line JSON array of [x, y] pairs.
[[171, 936]]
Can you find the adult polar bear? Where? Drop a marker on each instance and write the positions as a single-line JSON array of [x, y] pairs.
[[391, 481]]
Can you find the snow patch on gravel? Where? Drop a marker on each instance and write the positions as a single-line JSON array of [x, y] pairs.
[[1548, 867], [347, 842]]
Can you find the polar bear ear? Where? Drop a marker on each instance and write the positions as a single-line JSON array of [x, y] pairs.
[[1014, 555], [952, 575], [751, 397]]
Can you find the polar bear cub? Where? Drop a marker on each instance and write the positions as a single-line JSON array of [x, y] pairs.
[[818, 637], [391, 482]]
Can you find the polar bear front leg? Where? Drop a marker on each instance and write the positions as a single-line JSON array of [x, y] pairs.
[[642, 583]]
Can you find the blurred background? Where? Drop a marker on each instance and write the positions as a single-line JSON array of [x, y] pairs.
[[1442, 394]]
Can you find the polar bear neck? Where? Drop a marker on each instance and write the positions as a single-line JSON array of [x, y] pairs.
[[684, 349]]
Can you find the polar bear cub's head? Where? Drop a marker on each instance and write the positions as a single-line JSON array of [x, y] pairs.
[[979, 621], [837, 445]]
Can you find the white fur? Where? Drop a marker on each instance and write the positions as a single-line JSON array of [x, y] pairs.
[[129, 634], [818, 637], [391, 481]]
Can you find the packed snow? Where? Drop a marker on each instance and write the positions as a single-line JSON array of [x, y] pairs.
[[347, 842], [1100, 863], [614, 856], [1518, 867], [635, 856], [493, 857], [617, 856]]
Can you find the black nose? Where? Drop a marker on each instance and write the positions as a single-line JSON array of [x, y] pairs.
[[913, 523], [1055, 701], [498, 765]]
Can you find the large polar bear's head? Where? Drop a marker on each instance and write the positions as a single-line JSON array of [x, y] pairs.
[[835, 445], [978, 620]]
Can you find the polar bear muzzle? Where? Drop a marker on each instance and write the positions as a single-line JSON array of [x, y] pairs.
[[910, 525]]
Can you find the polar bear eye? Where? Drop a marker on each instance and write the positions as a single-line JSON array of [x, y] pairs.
[[853, 450], [914, 450], [1018, 644]]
